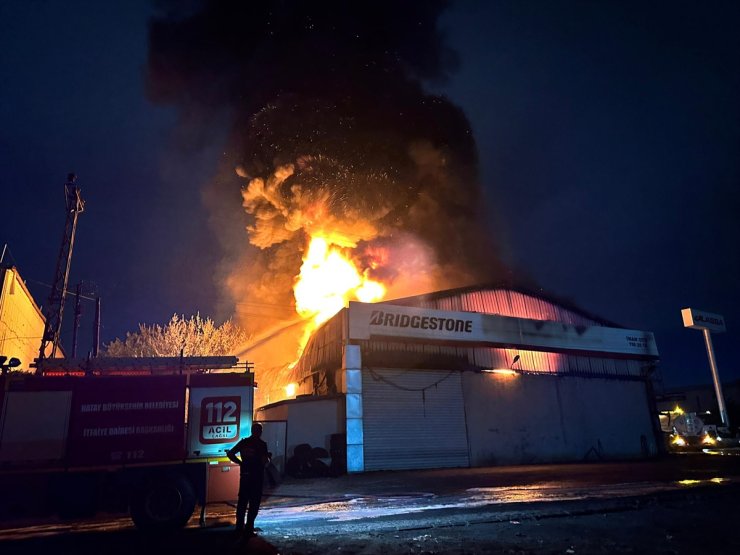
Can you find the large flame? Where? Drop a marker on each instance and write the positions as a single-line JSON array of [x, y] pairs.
[[328, 280], [348, 251]]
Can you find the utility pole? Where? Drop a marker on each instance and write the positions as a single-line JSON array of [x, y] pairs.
[[96, 329], [78, 313], [74, 205]]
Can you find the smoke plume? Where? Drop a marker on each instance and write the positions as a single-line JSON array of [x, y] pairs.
[[330, 128]]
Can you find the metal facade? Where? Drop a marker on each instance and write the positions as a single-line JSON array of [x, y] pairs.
[[407, 407], [324, 350]]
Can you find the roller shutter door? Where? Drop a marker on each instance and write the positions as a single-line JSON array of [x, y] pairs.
[[413, 419]]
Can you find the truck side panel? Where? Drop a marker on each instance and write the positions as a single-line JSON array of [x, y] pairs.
[[77, 444], [33, 427], [130, 420]]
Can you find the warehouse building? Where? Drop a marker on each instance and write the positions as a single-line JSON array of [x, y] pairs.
[[472, 377], [21, 320]]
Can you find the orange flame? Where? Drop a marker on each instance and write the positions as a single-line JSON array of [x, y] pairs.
[[328, 280]]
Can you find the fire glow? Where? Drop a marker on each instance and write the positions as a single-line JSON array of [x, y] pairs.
[[328, 280]]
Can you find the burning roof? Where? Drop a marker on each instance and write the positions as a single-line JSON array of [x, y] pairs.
[[355, 182]]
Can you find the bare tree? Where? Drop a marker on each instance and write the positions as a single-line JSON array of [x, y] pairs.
[[194, 336]]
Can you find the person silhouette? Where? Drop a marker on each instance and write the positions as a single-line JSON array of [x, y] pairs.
[[251, 455]]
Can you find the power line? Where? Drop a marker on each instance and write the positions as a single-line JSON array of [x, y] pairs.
[[7, 250], [258, 303], [67, 292], [271, 317], [22, 337]]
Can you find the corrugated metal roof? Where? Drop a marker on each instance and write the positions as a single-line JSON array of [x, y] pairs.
[[506, 300]]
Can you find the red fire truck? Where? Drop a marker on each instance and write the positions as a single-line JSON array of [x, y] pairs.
[[109, 434]]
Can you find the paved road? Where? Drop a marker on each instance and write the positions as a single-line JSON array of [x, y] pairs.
[[388, 500], [448, 506]]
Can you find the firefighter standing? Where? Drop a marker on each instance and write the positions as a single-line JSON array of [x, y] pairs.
[[251, 455]]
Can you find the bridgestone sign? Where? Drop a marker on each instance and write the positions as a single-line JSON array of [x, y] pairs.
[[396, 320], [386, 321]]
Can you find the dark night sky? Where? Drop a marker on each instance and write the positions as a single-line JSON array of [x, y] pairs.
[[610, 132]]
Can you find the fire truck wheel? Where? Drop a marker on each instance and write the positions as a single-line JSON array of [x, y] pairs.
[[164, 503]]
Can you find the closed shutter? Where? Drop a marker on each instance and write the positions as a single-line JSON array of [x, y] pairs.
[[413, 419]]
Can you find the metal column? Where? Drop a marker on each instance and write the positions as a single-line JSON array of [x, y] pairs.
[[715, 377]]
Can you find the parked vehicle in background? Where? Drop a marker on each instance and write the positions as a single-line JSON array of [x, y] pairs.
[[687, 431]]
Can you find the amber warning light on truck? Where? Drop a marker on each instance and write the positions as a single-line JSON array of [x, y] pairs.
[[219, 419]]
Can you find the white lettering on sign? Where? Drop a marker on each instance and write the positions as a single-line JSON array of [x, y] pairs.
[[219, 419], [128, 406], [219, 432], [134, 455], [128, 430], [221, 412]]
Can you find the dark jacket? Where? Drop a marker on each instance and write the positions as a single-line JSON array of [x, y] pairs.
[[252, 457]]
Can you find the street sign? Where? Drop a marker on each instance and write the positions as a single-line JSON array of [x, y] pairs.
[[707, 323], [701, 320]]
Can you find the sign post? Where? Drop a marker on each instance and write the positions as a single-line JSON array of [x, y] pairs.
[[707, 323]]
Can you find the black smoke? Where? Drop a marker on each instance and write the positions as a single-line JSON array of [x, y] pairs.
[[332, 90]]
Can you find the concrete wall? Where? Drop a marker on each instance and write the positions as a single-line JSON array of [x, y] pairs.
[[311, 420], [521, 419]]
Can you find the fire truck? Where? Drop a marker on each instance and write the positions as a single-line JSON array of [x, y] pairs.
[[147, 435]]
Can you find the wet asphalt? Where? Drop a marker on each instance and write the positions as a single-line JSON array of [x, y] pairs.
[[382, 503]]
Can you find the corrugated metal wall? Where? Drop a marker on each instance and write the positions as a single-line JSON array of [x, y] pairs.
[[529, 361], [524, 419], [324, 349]]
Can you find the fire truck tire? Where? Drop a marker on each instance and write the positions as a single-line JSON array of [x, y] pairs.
[[163, 503]]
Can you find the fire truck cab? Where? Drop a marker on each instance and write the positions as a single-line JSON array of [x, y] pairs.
[[147, 435]]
